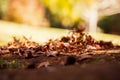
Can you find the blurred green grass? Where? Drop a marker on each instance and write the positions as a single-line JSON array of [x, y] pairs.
[[8, 30]]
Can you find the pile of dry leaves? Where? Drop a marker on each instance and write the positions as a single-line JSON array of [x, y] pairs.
[[75, 43]]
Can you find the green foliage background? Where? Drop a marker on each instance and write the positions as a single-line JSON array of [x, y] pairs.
[[3, 6], [61, 14]]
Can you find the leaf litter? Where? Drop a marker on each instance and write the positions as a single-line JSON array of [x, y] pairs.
[[74, 46]]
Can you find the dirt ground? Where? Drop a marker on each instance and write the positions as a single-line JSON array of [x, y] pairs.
[[84, 67]]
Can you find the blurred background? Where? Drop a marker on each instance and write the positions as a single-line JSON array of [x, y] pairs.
[[63, 14]]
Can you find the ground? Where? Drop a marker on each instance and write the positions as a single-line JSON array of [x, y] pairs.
[[96, 67]]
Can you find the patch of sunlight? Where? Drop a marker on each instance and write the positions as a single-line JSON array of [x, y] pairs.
[[38, 34], [107, 37]]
